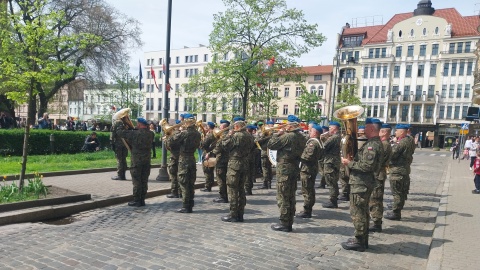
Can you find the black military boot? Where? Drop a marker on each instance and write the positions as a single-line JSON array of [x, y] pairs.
[[375, 228], [229, 218], [270, 185], [281, 228], [185, 210], [135, 203], [322, 186], [331, 204], [220, 200], [240, 218], [344, 197], [299, 192], [393, 216], [119, 177], [356, 244], [142, 203], [265, 186], [172, 195], [304, 214], [206, 189], [248, 192]]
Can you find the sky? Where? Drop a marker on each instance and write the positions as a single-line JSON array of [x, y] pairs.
[[192, 21]]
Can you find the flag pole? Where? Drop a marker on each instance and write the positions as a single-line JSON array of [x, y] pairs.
[[163, 173]]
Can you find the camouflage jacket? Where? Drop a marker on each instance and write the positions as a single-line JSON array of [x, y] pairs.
[[114, 137], [399, 162], [208, 143], [366, 163], [188, 141], [263, 142], [221, 153], [312, 153], [175, 149], [140, 141], [289, 148], [381, 175], [332, 151], [238, 147], [411, 150]]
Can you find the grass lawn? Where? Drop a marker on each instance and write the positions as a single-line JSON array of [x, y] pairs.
[[11, 165]]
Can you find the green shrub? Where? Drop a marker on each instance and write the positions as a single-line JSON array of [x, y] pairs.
[[31, 190]]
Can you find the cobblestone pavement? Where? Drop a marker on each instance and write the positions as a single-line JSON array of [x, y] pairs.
[[155, 237]]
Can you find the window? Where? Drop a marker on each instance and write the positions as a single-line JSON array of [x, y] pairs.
[[441, 114], [275, 92], [416, 113], [297, 109], [408, 72], [444, 91], [205, 58], [454, 69], [468, 46], [159, 104], [364, 92], [396, 72], [384, 89], [398, 52], [461, 68], [406, 90], [449, 112], [370, 91], [464, 111], [410, 51], [177, 87], [186, 59], [451, 48], [412, 32], [298, 91], [395, 91], [459, 90], [377, 52], [225, 56], [436, 30], [160, 61], [352, 41], [446, 67], [384, 52], [377, 90], [287, 92], [224, 104], [177, 73], [459, 47], [424, 32], [160, 88], [431, 91], [466, 94], [421, 70], [385, 71], [451, 91], [365, 72], [372, 72], [434, 49], [429, 112], [196, 58], [320, 90], [379, 70], [148, 62], [177, 60], [393, 111], [285, 109], [343, 56], [423, 50], [317, 77], [375, 111], [469, 67], [405, 113], [160, 74], [313, 90], [400, 33], [370, 53], [433, 70], [357, 55], [418, 91]]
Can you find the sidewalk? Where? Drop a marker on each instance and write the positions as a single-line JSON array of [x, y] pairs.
[[455, 242]]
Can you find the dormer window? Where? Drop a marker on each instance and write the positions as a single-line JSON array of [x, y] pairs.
[[352, 41]]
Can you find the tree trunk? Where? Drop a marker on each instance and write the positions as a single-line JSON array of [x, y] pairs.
[[43, 103], [31, 111], [25, 140], [245, 99]]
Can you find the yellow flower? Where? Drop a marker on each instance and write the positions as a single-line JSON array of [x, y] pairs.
[[4, 177]]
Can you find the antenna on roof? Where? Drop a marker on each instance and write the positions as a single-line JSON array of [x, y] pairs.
[[367, 21]]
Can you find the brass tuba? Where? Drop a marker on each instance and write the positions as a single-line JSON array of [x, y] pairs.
[[168, 129], [123, 115], [201, 129], [348, 115]]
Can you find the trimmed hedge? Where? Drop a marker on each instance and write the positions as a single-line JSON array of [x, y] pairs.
[[66, 142]]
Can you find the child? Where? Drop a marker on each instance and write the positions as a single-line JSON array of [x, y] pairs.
[[476, 171]]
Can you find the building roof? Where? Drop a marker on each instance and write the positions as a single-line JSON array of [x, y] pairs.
[[462, 26], [321, 69]]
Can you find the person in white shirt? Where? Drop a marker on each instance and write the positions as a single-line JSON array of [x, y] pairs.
[[473, 151]]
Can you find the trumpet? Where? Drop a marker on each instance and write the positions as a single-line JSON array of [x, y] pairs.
[[168, 129], [267, 131]]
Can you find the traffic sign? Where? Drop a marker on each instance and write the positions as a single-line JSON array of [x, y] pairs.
[[465, 125]]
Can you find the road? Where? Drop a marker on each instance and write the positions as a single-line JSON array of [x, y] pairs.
[[156, 237]]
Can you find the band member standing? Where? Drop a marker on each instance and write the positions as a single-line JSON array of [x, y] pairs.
[[207, 146], [309, 169], [262, 140], [221, 167], [252, 172], [331, 163], [119, 147], [398, 169], [323, 183], [376, 199], [172, 166], [188, 139], [141, 143], [362, 180], [238, 143], [413, 146], [289, 145]]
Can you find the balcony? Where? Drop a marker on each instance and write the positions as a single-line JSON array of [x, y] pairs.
[[384, 58], [412, 99]]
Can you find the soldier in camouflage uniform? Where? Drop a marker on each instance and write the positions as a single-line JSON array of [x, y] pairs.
[[252, 171], [120, 150], [323, 182], [189, 141], [289, 146], [262, 140], [141, 142], [238, 143], [413, 146], [207, 146], [376, 199], [362, 181], [398, 169], [172, 166], [331, 163], [309, 169], [221, 167]]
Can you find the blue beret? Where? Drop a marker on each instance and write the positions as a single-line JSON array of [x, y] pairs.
[[270, 123], [324, 127], [238, 118], [142, 120], [211, 124], [182, 115], [318, 127], [251, 126], [335, 123], [223, 121], [361, 127], [401, 126], [385, 125], [177, 121], [372, 121], [293, 118], [188, 116]]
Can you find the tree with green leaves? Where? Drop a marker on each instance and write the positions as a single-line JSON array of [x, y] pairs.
[[308, 103], [347, 96], [249, 39]]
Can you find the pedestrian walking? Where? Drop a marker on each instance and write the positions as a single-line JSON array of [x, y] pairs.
[[476, 173], [455, 149], [473, 151]]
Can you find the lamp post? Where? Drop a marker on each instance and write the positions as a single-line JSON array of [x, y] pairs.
[[163, 173]]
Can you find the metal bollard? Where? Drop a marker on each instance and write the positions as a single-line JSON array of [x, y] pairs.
[[52, 143]]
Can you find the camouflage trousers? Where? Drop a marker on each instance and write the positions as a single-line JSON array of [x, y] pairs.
[[331, 177], [251, 174], [308, 175], [140, 173], [236, 178], [209, 176], [344, 182], [376, 202], [323, 182], [266, 170], [121, 153], [286, 189], [187, 174], [359, 212], [221, 172], [397, 185], [407, 186], [172, 169]]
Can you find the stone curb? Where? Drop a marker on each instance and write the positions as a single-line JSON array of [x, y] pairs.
[[60, 211], [436, 246], [44, 202]]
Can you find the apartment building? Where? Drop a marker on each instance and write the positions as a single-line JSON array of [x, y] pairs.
[[417, 68]]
